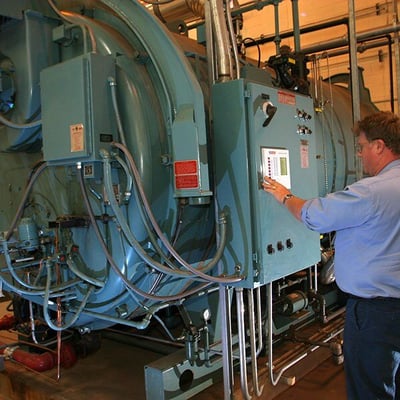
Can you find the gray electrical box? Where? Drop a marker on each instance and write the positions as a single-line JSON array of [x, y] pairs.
[[78, 126]]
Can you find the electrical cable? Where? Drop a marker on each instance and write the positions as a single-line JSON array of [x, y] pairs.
[[164, 240], [69, 17], [15, 125], [128, 233], [114, 266], [46, 304], [21, 206]]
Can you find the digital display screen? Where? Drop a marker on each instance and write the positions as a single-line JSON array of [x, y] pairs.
[[275, 164]]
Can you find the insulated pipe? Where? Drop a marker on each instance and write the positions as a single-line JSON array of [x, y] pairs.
[[7, 322], [37, 362], [233, 39], [224, 63], [41, 362]]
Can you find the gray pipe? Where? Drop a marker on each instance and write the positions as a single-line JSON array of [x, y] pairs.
[[224, 63], [296, 25]]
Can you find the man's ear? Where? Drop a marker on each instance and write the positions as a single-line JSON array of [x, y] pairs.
[[380, 145]]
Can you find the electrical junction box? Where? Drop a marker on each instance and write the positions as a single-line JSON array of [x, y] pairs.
[[261, 130], [83, 122]]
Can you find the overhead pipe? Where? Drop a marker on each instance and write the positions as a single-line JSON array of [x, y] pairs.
[[309, 29], [328, 45], [334, 44], [388, 41]]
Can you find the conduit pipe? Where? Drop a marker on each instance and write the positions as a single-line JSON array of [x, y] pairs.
[[222, 222], [114, 266]]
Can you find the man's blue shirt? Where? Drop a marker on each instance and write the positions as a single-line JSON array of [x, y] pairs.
[[366, 218]]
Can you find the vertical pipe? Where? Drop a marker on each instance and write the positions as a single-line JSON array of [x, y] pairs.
[[277, 38], [253, 351], [396, 50], [270, 327], [316, 278], [209, 45], [390, 52], [226, 339], [224, 62], [242, 343], [355, 86], [232, 35], [296, 25]]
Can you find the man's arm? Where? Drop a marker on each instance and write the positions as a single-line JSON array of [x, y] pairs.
[[283, 195]]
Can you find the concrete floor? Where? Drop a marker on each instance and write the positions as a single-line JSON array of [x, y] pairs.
[[116, 371]]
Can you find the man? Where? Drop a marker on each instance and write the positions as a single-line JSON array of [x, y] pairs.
[[366, 218]]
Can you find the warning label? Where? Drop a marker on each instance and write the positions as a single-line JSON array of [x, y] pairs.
[[186, 174], [286, 98], [77, 138]]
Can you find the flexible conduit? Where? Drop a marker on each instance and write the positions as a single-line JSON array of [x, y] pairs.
[[69, 17], [164, 240], [114, 266], [46, 301], [21, 206], [14, 125], [126, 230]]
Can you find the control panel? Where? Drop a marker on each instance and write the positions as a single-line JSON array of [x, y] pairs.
[[264, 131]]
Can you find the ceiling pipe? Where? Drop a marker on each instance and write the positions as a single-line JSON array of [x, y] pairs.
[[308, 29], [385, 40], [334, 44]]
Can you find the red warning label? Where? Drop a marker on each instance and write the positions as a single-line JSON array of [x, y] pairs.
[[286, 98], [186, 174]]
